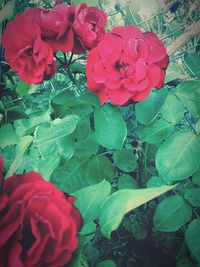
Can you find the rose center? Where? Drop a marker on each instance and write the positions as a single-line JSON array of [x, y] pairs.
[[122, 67], [29, 52]]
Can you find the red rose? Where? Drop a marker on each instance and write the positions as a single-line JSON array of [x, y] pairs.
[[38, 223], [29, 56], [126, 65], [89, 27], [56, 26], [72, 28]]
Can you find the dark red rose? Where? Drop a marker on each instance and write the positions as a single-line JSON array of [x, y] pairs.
[[126, 65], [56, 26], [89, 27], [38, 223], [29, 56]]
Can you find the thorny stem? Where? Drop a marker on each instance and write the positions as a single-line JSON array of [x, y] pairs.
[[71, 76], [65, 58], [70, 59], [145, 160]]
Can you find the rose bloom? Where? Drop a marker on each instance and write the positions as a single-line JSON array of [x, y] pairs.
[[38, 223], [126, 65], [29, 56], [89, 27], [56, 26], [72, 28]]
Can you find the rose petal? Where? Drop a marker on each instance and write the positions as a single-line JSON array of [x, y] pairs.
[[99, 73], [140, 70], [139, 96], [10, 222], [16, 180], [103, 96], [131, 32], [119, 96], [15, 252]]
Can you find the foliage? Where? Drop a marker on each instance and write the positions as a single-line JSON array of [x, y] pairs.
[[117, 161]]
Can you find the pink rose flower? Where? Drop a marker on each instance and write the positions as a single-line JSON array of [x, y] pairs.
[[26, 53], [126, 65]]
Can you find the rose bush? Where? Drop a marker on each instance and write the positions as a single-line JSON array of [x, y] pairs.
[[38, 223], [27, 54], [126, 65]]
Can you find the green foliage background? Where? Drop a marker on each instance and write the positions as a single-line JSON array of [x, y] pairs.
[[115, 159]]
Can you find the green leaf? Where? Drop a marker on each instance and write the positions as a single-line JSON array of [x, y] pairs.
[[136, 225], [70, 176], [77, 67], [29, 162], [123, 201], [89, 2], [7, 135], [174, 70], [90, 198], [83, 129], [76, 260], [185, 263], [48, 137], [106, 263], [156, 132], [87, 147], [99, 168], [197, 127], [125, 160], [66, 146], [127, 182], [191, 61], [27, 126], [196, 177], [155, 181], [88, 228], [110, 127], [147, 110], [192, 237], [172, 109], [193, 196], [68, 99], [86, 144], [9, 154], [46, 166], [2, 108], [171, 214], [20, 150], [178, 157], [23, 88], [7, 10], [189, 93]]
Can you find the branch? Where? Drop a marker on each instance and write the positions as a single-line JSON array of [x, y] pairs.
[[192, 31]]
